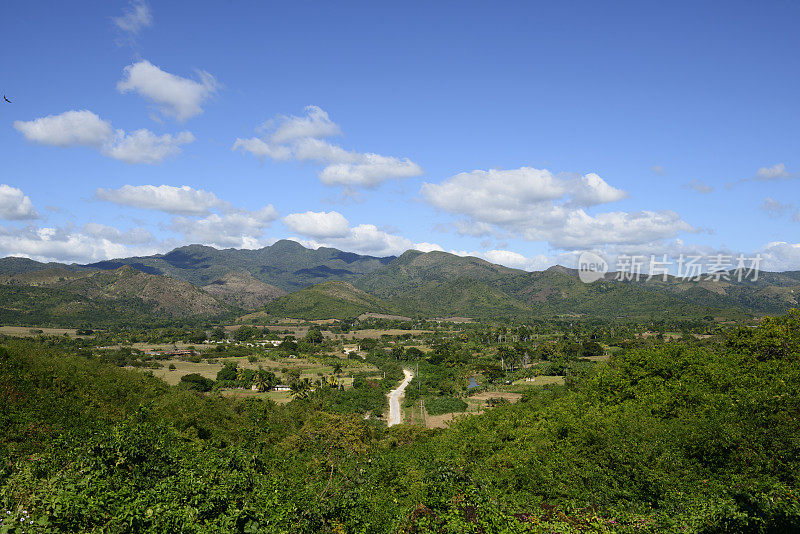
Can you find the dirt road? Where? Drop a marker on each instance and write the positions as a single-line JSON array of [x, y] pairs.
[[395, 415]]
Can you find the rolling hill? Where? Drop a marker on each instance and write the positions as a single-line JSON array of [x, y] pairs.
[[329, 300], [172, 297], [121, 296], [243, 290]]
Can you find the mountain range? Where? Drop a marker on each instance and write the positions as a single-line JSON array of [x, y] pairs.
[[286, 264], [289, 280]]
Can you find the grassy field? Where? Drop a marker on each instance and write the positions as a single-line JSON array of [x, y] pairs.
[[313, 370], [376, 334], [165, 346], [28, 331], [281, 397], [208, 370], [541, 380]]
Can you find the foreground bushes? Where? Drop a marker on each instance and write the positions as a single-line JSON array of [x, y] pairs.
[[671, 438]]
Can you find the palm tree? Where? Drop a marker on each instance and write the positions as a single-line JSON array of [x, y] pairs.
[[300, 388], [241, 376], [337, 371], [261, 380]]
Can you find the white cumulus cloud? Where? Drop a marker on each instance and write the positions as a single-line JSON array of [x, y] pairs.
[[175, 96], [368, 239], [71, 128], [318, 224], [515, 260], [428, 247], [261, 149], [200, 216], [780, 256], [579, 230], [133, 236], [315, 124], [368, 170], [238, 228], [14, 205], [84, 128], [304, 139], [143, 146], [591, 190], [539, 206], [71, 245], [182, 200]]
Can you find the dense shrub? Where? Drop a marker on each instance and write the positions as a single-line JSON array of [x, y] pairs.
[[196, 382]]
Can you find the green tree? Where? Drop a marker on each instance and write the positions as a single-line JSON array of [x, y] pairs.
[[245, 333], [196, 382], [197, 336], [228, 372], [218, 334], [314, 336]]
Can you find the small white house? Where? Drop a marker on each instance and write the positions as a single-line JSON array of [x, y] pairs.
[[282, 387]]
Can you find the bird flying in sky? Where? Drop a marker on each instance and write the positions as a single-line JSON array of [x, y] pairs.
[[6, 99]]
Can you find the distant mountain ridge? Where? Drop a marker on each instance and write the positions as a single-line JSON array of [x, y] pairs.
[[329, 283], [286, 264]]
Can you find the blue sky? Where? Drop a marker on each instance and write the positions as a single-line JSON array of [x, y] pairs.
[[521, 132]]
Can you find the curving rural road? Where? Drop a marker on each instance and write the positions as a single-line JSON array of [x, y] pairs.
[[395, 415]]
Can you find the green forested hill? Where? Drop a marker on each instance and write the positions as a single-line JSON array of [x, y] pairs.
[[40, 306], [329, 300], [122, 296], [558, 292], [169, 296], [417, 270]]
